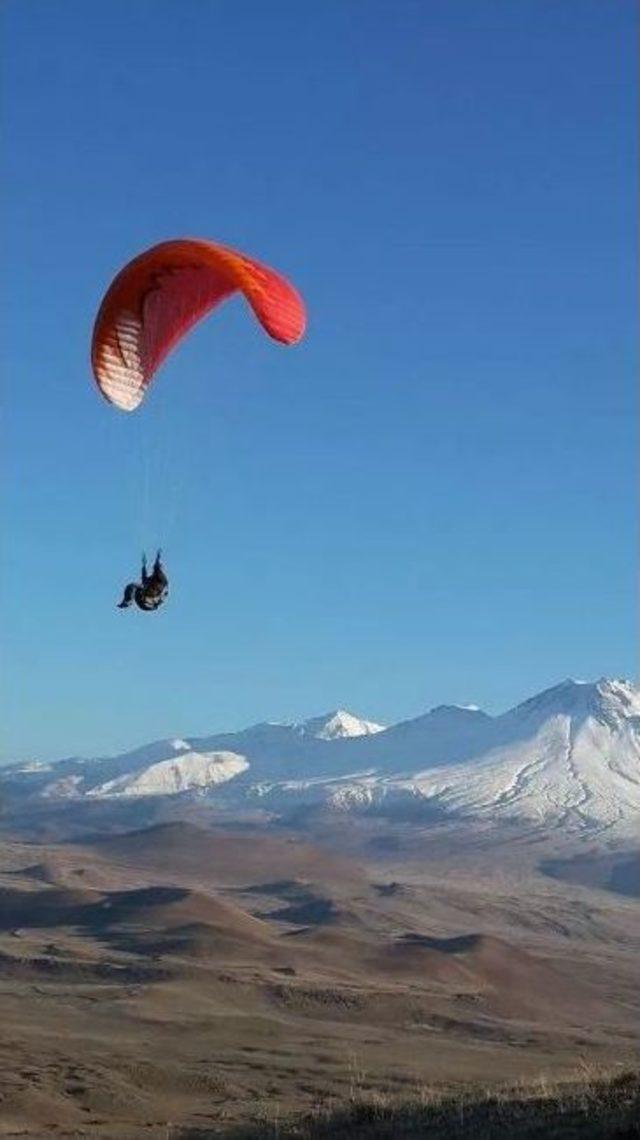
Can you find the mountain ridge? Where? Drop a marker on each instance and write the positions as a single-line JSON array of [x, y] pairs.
[[568, 756]]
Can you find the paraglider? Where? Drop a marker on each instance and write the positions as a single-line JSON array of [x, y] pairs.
[[160, 295], [152, 589], [151, 305]]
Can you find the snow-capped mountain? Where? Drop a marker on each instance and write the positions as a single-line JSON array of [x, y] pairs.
[[164, 768], [568, 757], [184, 773], [338, 725]]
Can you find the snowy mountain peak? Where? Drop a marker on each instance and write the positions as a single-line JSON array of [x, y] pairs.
[[338, 725], [180, 745], [443, 712], [621, 694], [609, 701]]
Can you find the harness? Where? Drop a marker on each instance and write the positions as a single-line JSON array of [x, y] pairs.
[[148, 599]]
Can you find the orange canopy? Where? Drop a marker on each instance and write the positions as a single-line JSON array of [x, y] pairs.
[[160, 295]]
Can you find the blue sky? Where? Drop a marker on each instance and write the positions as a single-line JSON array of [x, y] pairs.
[[431, 499]]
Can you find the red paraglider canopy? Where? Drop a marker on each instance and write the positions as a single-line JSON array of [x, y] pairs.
[[160, 295]]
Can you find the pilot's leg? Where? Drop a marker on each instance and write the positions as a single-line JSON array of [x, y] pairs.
[[127, 597]]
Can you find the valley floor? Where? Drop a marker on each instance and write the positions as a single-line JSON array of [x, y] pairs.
[[182, 982]]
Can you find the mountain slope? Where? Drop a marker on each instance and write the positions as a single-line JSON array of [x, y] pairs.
[[187, 772], [569, 757]]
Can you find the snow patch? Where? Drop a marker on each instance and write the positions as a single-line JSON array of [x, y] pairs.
[[189, 772]]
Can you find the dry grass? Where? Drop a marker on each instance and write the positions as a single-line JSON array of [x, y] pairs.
[[588, 1107]]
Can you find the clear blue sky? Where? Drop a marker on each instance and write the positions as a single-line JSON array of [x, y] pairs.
[[431, 499]]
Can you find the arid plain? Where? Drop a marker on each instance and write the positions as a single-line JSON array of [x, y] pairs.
[[190, 975]]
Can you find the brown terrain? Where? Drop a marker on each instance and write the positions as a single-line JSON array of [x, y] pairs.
[[181, 981]]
